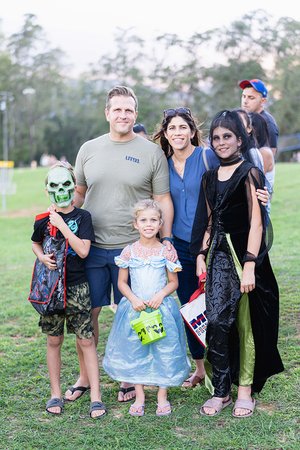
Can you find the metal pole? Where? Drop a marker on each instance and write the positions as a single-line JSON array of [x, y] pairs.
[[5, 133], [5, 98]]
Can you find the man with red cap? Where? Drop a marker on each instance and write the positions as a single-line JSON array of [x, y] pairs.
[[254, 98]]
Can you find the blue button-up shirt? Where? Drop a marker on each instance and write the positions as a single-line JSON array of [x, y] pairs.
[[185, 191]]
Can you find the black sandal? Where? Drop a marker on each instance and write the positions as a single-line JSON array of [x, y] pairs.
[[73, 389], [55, 402], [97, 406], [125, 391]]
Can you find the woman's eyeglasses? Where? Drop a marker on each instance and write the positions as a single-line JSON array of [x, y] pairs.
[[173, 112]]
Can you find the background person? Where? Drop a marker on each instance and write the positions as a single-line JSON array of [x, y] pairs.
[[258, 152], [252, 154], [254, 98], [140, 129], [113, 172], [261, 133]]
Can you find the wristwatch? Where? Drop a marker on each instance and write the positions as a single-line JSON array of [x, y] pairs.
[[167, 239]]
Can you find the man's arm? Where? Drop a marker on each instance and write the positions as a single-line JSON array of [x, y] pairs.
[[79, 196], [166, 205]]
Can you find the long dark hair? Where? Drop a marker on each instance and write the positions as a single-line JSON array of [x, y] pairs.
[[260, 129], [243, 114], [160, 138], [232, 121]]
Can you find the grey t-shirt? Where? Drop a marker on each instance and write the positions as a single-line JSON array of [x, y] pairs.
[[117, 175]]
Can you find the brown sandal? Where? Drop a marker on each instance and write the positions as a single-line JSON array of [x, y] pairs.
[[192, 382]]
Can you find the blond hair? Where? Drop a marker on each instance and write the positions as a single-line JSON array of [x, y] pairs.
[[143, 205]]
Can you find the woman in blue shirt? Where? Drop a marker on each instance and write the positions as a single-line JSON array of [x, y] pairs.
[[182, 144]]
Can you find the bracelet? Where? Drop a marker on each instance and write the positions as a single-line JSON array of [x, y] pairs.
[[249, 257], [169, 239], [203, 252]]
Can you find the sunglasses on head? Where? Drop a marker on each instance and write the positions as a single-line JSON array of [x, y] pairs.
[[172, 112]]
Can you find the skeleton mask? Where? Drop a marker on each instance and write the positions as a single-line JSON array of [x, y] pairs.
[[60, 186]]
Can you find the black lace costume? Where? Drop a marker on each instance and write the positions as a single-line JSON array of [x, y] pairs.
[[227, 207]]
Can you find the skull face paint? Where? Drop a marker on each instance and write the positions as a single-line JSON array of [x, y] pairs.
[[60, 186]]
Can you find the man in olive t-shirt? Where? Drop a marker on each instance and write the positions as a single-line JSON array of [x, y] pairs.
[[117, 175], [113, 172]]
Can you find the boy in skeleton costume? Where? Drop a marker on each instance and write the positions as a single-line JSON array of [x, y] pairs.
[[74, 226]]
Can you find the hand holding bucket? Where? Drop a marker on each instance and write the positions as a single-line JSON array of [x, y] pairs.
[[149, 327]]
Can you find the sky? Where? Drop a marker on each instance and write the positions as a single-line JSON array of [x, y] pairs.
[[84, 30]]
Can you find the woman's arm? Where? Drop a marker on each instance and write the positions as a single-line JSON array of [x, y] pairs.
[[268, 158], [201, 258], [254, 241], [201, 224]]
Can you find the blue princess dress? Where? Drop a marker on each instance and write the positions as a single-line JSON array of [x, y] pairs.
[[163, 363]]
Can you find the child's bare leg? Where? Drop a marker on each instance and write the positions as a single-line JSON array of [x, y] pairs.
[[54, 344], [162, 396], [139, 402], [89, 353], [83, 379], [163, 405]]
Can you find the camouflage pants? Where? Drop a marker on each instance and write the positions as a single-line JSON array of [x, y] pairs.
[[78, 315]]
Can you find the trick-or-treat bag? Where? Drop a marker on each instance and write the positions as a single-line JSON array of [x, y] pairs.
[[48, 287], [149, 327], [194, 312]]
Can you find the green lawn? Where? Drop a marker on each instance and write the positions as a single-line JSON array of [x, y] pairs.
[[24, 384]]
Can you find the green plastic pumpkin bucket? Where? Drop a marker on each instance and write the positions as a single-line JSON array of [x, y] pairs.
[[149, 327]]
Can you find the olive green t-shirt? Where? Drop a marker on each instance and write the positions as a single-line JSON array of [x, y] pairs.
[[117, 175]]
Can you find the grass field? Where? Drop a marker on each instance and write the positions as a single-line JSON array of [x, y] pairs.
[[24, 384]]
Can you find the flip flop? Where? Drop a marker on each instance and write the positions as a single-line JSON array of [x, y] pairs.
[[55, 402], [97, 406], [73, 389], [137, 411], [216, 404], [165, 410], [124, 391], [244, 404], [191, 384]]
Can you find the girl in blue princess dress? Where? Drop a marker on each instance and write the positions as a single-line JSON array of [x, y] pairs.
[[153, 278]]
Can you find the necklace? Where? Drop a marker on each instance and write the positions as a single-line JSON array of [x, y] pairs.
[[179, 166], [233, 161]]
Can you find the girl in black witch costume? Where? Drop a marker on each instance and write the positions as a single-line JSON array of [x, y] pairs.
[[242, 297]]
